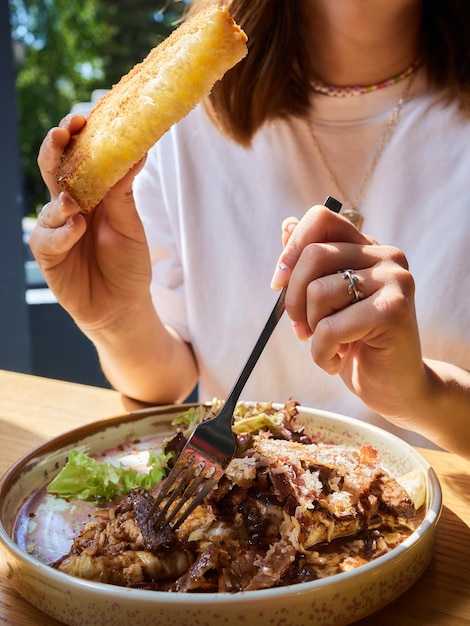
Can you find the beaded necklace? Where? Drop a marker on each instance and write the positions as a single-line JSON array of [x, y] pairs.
[[344, 92]]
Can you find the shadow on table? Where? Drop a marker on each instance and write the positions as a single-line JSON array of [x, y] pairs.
[[458, 483], [446, 580], [27, 439]]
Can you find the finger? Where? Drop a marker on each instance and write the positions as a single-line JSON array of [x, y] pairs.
[[288, 227], [325, 295], [361, 324], [50, 152], [323, 260], [57, 212], [329, 294], [331, 342], [51, 245], [321, 281], [120, 205], [319, 224], [73, 122]]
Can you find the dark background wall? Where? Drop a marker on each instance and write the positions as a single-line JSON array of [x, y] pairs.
[[34, 338], [59, 349], [36, 335], [15, 338]]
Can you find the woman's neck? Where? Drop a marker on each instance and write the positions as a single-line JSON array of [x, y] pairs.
[[362, 42]]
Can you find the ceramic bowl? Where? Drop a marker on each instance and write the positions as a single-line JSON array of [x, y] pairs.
[[339, 599]]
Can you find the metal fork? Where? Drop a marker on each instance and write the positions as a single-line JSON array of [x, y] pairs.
[[209, 449], [212, 444]]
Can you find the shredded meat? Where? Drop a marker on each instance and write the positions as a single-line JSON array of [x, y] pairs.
[[194, 577], [392, 496], [114, 550], [288, 510]]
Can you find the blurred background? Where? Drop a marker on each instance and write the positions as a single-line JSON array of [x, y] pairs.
[[55, 56]]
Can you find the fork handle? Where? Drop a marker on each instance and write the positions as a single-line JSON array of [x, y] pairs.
[[276, 314], [266, 333]]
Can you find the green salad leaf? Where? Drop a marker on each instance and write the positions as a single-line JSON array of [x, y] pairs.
[[187, 421], [255, 423], [84, 478], [247, 418]]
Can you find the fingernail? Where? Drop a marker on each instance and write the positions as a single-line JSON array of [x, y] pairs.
[[65, 121], [300, 332], [280, 277], [290, 228]]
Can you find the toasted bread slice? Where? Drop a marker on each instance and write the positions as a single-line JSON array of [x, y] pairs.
[[155, 94]]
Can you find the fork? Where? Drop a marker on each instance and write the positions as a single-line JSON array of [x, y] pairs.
[[212, 445], [209, 449]]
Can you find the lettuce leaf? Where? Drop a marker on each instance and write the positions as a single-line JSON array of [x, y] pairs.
[[84, 478], [255, 423], [187, 421], [247, 418]]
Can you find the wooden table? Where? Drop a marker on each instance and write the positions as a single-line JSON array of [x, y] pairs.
[[33, 410]]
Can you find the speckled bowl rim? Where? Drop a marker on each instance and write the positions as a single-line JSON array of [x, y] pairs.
[[117, 593]]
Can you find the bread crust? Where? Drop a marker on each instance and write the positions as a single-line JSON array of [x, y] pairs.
[[158, 92]]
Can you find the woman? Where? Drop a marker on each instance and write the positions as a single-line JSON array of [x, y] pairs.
[[283, 130]]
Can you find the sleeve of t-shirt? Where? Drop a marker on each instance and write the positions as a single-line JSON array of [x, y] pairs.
[[154, 191]]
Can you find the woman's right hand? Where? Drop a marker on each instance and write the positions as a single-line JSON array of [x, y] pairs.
[[97, 264]]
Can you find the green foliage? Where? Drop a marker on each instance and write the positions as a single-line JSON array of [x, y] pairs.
[[65, 49]]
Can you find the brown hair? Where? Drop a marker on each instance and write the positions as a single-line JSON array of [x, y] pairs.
[[274, 80]]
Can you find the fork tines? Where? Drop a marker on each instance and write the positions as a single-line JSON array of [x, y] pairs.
[[189, 482]]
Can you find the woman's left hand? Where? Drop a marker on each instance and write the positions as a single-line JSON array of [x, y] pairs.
[[362, 323]]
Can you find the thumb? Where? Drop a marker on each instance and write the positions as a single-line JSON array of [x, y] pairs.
[[124, 186], [119, 201]]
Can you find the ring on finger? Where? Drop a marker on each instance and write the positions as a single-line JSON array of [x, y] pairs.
[[352, 287]]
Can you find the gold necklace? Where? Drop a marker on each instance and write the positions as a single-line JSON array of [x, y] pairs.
[[350, 210]]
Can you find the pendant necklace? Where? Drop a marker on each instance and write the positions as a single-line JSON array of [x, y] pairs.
[[350, 208]]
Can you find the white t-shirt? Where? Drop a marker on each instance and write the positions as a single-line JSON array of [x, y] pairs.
[[212, 212]]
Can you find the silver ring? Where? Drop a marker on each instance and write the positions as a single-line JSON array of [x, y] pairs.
[[352, 288]]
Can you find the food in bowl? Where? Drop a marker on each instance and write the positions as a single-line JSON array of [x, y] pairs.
[[290, 509]]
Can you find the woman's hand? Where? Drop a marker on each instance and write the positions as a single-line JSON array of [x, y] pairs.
[[370, 338], [97, 264], [373, 341]]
